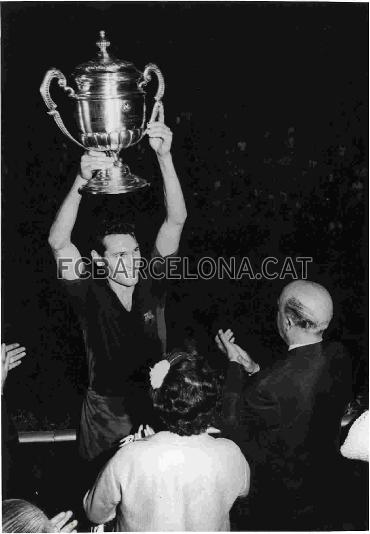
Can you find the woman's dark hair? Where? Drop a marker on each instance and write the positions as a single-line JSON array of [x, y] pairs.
[[22, 516], [110, 227], [186, 402]]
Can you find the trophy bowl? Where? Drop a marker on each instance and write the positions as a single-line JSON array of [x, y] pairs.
[[110, 112]]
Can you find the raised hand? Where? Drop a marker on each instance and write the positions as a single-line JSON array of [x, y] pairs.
[[237, 354], [11, 356], [92, 161], [144, 432], [229, 336], [160, 136], [59, 523]]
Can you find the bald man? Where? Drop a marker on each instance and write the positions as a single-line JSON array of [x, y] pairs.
[[286, 419]]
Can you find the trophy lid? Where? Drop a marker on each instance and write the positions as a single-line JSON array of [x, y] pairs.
[[105, 63]]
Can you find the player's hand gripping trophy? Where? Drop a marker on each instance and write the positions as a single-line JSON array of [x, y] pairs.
[[110, 112]]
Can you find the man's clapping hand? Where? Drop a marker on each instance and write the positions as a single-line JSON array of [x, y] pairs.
[[225, 341], [228, 336]]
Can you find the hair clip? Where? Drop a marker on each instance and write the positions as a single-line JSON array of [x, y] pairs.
[[158, 373]]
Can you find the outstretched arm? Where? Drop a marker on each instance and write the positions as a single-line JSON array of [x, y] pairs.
[[61, 229], [160, 138]]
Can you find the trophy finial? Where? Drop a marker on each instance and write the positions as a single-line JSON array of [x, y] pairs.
[[103, 44]]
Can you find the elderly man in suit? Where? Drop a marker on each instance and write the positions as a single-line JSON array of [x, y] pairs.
[[286, 419]]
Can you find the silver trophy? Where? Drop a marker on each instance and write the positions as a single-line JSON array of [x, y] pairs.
[[110, 112]]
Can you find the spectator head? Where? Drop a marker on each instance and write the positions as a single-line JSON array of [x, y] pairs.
[[116, 251], [305, 310], [22, 516], [186, 401]]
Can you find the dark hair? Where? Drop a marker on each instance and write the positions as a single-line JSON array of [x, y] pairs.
[[110, 227], [22, 516], [187, 401], [294, 309]]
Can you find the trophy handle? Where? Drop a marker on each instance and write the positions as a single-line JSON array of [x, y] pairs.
[[51, 105], [149, 69]]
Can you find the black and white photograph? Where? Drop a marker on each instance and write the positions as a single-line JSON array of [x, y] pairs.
[[185, 255]]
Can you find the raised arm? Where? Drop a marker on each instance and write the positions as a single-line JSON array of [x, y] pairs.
[[250, 415], [61, 229], [160, 138], [240, 363]]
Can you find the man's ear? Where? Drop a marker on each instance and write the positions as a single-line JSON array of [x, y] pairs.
[[288, 322]]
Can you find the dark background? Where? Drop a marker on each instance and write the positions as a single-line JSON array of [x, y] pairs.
[[268, 105]]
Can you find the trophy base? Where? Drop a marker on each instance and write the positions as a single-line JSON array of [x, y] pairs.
[[114, 181]]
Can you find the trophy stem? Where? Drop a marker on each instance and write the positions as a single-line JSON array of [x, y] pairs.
[[114, 181]]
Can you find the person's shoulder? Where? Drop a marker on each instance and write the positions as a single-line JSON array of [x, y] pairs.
[[77, 287], [273, 373], [334, 346], [128, 451], [336, 349], [227, 445], [229, 454], [75, 281], [140, 454], [275, 382], [135, 446]]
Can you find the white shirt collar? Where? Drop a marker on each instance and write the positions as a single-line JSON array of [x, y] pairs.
[[291, 347]]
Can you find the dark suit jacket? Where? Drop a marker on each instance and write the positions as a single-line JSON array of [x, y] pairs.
[[286, 419]]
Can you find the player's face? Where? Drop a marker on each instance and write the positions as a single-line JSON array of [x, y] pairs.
[[123, 256]]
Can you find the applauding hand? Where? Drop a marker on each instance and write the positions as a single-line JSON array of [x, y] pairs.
[[236, 353], [228, 336]]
